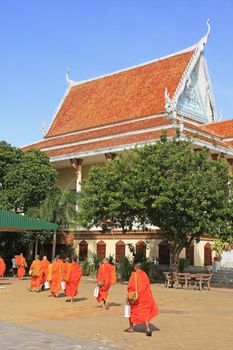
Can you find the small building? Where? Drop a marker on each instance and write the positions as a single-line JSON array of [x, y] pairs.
[[104, 116]]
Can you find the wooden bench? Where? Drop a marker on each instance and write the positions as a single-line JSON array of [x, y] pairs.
[[205, 281], [168, 282], [181, 280], [202, 280]]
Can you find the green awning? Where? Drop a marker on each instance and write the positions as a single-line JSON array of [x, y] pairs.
[[14, 222]]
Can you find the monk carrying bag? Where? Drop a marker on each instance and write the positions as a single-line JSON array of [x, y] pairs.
[[101, 284], [133, 296], [96, 291]]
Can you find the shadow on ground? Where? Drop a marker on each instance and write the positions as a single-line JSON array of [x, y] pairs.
[[141, 328]]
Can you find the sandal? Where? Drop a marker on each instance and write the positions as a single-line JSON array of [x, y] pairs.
[[129, 330]]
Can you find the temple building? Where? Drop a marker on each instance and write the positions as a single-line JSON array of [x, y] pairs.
[[108, 115]]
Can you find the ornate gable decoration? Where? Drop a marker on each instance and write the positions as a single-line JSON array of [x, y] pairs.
[[190, 102], [193, 97]]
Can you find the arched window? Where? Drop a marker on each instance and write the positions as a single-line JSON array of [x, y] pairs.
[[83, 250], [101, 250], [207, 254], [141, 249], [120, 250], [164, 253], [189, 254]]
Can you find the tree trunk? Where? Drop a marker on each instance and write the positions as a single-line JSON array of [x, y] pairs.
[[174, 258], [30, 250], [54, 244], [36, 247]]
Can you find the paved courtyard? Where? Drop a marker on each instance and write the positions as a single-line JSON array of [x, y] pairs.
[[188, 320]]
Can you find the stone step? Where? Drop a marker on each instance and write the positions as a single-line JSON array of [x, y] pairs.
[[222, 281], [222, 274]]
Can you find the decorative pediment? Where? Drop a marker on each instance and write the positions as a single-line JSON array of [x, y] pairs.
[[193, 97], [191, 102]]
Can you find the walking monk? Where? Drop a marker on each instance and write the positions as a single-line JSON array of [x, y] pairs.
[[36, 273], [66, 267], [21, 265], [45, 269], [143, 306], [72, 278], [2, 267], [55, 277], [105, 275]]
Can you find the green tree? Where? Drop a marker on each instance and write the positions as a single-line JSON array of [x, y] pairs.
[[59, 207], [185, 193], [26, 177], [108, 198]]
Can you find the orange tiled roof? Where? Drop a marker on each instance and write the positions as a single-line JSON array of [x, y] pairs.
[[108, 131], [123, 135], [222, 129], [130, 94], [120, 141]]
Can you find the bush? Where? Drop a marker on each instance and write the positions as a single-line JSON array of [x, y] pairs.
[[111, 259], [67, 251], [86, 267], [147, 267], [95, 261], [125, 268]]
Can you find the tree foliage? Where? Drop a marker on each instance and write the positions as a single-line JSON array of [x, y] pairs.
[[26, 177], [108, 198], [58, 207], [185, 193]]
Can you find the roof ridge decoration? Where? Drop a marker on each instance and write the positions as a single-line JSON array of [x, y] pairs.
[[70, 83], [171, 102], [68, 80]]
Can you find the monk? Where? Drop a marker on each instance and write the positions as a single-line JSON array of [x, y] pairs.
[[2, 267], [21, 265], [144, 308], [45, 270], [36, 273], [104, 279], [72, 278], [55, 277], [66, 266]]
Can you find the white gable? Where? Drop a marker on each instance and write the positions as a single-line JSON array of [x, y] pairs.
[[196, 100]]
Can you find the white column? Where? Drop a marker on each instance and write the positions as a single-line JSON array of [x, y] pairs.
[[77, 165]]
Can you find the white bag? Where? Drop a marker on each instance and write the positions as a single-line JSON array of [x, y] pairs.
[[96, 291], [127, 310], [46, 285], [63, 285]]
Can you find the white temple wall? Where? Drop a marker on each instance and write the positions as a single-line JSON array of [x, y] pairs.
[[152, 250]]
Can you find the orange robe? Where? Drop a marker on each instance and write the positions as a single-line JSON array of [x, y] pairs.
[[21, 264], [66, 268], [56, 277], [105, 273], [145, 307], [44, 263], [2, 267], [36, 273], [72, 279]]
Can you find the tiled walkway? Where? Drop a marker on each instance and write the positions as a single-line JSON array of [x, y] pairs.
[[13, 337]]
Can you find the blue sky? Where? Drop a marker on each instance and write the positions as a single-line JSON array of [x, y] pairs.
[[39, 39]]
